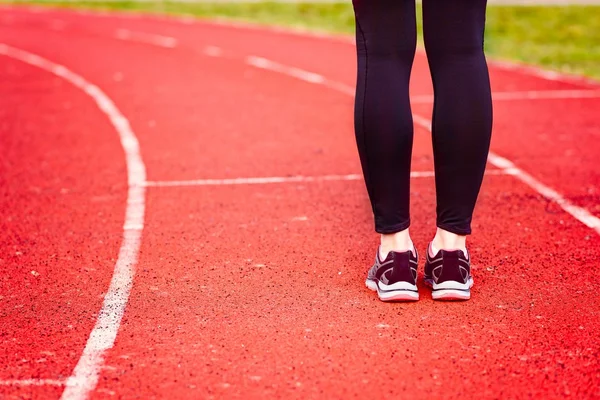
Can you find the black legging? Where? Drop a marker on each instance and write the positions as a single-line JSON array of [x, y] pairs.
[[462, 116]]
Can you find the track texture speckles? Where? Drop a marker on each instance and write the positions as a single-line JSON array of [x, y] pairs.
[[258, 291]]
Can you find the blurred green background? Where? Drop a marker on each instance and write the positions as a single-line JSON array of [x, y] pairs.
[[563, 38]]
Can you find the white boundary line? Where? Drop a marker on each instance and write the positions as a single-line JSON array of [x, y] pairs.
[[311, 77], [254, 180], [526, 95], [579, 213], [504, 164], [102, 337], [148, 38], [32, 382], [290, 179]]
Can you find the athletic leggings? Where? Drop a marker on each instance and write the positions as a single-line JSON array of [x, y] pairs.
[[462, 114]]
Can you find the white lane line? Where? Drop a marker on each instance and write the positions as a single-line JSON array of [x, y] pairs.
[[148, 38], [579, 213], [213, 51], [254, 181], [526, 95], [311, 77], [289, 179], [298, 73], [102, 337], [32, 382], [547, 94], [531, 70]]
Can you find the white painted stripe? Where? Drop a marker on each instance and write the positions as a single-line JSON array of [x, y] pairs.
[[547, 94], [311, 77], [581, 214], [213, 51], [540, 73], [148, 38], [287, 179], [254, 181], [32, 382], [526, 95], [85, 375], [263, 63], [504, 164], [298, 73]]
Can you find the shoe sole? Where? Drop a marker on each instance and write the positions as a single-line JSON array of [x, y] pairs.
[[450, 290], [394, 294]]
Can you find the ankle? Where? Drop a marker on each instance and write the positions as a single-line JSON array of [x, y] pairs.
[[445, 240], [399, 241]]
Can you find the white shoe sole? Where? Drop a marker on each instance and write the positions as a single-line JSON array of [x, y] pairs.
[[371, 285], [400, 291], [450, 290]]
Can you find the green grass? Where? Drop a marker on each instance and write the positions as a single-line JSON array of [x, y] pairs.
[[563, 38]]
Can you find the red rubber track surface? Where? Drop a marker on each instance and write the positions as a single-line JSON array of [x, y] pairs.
[[257, 291]]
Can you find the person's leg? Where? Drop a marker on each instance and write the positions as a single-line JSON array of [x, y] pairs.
[[462, 116], [386, 42]]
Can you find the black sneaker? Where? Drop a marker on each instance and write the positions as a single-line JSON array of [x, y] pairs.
[[449, 274], [395, 278]]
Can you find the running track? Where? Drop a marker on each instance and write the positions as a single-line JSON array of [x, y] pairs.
[[126, 144]]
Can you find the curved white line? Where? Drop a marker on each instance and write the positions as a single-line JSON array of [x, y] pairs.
[[85, 375]]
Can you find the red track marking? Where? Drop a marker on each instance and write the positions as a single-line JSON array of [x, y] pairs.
[[263, 297]]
